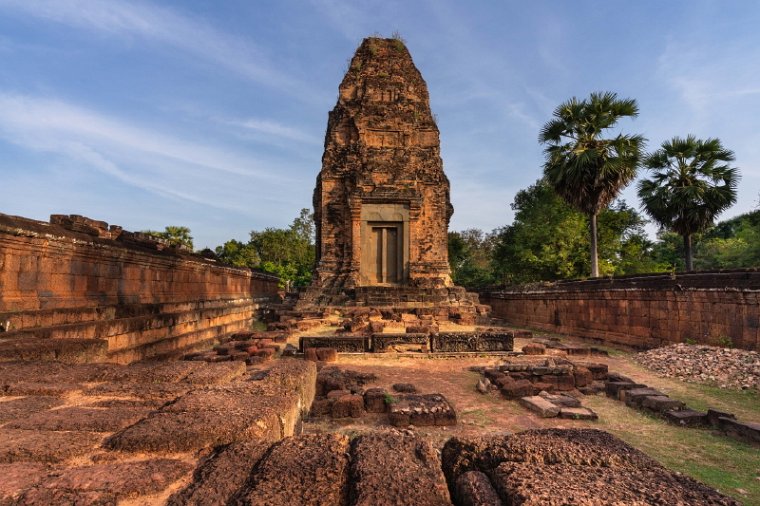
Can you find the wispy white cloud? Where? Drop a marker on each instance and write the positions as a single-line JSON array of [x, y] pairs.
[[269, 128], [134, 154], [165, 26]]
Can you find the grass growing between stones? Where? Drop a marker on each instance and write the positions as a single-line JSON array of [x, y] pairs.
[[730, 466]]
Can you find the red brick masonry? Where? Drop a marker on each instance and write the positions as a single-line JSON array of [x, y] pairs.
[[646, 311], [79, 278]]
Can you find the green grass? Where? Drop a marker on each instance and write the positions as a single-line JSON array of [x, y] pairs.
[[743, 403], [709, 457]]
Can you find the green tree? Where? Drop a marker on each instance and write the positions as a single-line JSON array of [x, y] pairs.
[[177, 236], [289, 252], [691, 183], [238, 254], [586, 170], [548, 240], [730, 244], [470, 257]]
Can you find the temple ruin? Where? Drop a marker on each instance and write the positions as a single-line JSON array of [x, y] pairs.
[[381, 202]]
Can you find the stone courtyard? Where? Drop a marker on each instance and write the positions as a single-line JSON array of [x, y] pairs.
[[132, 372]]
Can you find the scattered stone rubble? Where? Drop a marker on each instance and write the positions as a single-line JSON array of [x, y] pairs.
[[725, 367], [340, 394], [640, 396], [250, 347], [548, 386]]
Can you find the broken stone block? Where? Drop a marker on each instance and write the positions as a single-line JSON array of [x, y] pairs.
[[635, 396], [44, 446], [518, 389], [289, 351], [473, 488], [561, 400], [374, 400], [661, 403], [540, 406], [582, 376], [321, 407], [746, 431], [337, 394], [493, 374], [579, 413], [81, 419], [422, 410], [407, 388], [346, 406], [686, 417], [613, 388], [713, 416], [483, 386], [596, 387], [310, 354], [534, 349], [19, 477]]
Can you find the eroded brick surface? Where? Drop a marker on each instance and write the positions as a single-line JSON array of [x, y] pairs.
[[24, 407], [219, 477], [44, 446], [388, 469], [309, 470], [81, 419]]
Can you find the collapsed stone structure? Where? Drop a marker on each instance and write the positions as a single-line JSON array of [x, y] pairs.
[[381, 202]]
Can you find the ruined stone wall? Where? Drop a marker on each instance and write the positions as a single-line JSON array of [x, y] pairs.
[[77, 278], [649, 311]]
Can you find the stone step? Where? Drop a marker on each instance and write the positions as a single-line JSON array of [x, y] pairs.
[[71, 351]]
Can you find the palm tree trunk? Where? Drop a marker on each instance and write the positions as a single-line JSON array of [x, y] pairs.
[[594, 257], [687, 252]]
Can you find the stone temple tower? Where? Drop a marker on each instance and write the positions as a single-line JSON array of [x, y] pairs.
[[381, 202]]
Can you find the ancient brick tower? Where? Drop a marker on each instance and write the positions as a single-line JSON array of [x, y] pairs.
[[381, 203]]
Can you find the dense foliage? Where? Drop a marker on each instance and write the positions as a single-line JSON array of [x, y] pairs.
[[286, 252], [177, 236]]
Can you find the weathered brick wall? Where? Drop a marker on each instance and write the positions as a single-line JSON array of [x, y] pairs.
[[98, 284], [647, 311]]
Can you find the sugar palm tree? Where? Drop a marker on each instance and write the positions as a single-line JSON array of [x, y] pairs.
[[586, 170], [691, 184]]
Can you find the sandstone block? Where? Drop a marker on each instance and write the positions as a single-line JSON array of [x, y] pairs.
[[686, 417], [578, 413], [534, 349], [374, 400], [346, 406], [582, 376], [517, 389], [327, 354], [661, 403], [540, 406], [473, 488]]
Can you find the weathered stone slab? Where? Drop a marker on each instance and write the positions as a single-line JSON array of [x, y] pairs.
[[43, 446], [214, 374], [120, 480], [18, 477], [220, 476], [472, 341], [540, 406], [39, 388], [81, 419], [635, 396], [613, 388], [579, 413], [661, 403], [351, 405], [686, 417], [400, 342], [26, 406], [70, 351], [186, 431], [561, 400], [392, 469], [746, 431], [310, 470], [343, 344], [561, 484], [375, 400]]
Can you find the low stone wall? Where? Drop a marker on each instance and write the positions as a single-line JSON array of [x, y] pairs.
[[719, 308], [80, 278]]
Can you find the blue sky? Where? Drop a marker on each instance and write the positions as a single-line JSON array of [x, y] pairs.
[[212, 114]]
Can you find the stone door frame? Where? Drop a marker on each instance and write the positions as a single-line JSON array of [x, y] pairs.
[[388, 216]]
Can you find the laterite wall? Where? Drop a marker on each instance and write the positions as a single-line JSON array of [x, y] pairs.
[[647, 311], [79, 278]]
